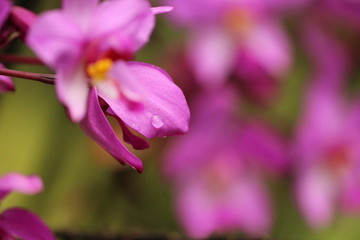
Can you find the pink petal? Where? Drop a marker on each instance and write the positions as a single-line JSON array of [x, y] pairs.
[[80, 11], [23, 224], [265, 146], [56, 39], [211, 54], [5, 83], [72, 90], [315, 192], [165, 109], [268, 44], [162, 9], [128, 22], [251, 203], [96, 126], [4, 11], [15, 182]]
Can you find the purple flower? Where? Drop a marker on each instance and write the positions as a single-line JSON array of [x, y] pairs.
[[327, 146], [218, 168], [234, 38], [17, 222], [90, 45]]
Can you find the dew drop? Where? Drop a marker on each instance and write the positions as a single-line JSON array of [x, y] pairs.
[[157, 121]]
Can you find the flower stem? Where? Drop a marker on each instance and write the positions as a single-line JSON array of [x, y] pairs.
[[11, 58], [39, 77]]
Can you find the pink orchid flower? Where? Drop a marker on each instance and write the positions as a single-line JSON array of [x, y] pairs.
[[17, 222], [217, 171], [234, 38], [89, 49], [327, 146]]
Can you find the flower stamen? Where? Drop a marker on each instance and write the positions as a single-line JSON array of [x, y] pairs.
[[98, 70]]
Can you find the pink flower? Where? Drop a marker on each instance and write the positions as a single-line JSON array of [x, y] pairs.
[[90, 46], [14, 22], [17, 222], [234, 38], [217, 171], [327, 138], [89, 49]]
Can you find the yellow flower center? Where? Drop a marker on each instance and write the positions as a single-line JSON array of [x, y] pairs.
[[98, 70]]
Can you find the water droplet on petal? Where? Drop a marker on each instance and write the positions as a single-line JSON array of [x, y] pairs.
[[157, 121]]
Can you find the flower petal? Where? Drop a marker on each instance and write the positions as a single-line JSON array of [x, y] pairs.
[[72, 90], [25, 225], [15, 182], [162, 9], [268, 44], [5, 83], [132, 27], [96, 126], [55, 39], [315, 193], [4, 11], [165, 109], [211, 54], [80, 11]]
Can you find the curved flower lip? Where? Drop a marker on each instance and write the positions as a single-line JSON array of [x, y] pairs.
[[15, 182], [21, 223], [96, 126]]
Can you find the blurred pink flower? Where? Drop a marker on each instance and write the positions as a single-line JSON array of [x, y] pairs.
[[218, 168], [17, 222], [5, 83], [326, 151], [234, 38], [5, 7], [91, 45]]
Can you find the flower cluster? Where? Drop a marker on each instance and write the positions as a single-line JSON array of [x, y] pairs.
[[244, 50]]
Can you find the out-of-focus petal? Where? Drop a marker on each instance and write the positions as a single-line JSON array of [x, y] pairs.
[[72, 90], [6, 84], [56, 39], [22, 19], [315, 193], [25, 225], [133, 26], [80, 11], [250, 201], [268, 44], [4, 11], [165, 109], [96, 126], [15, 182], [264, 146], [211, 54], [162, 9], [328, 56]]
